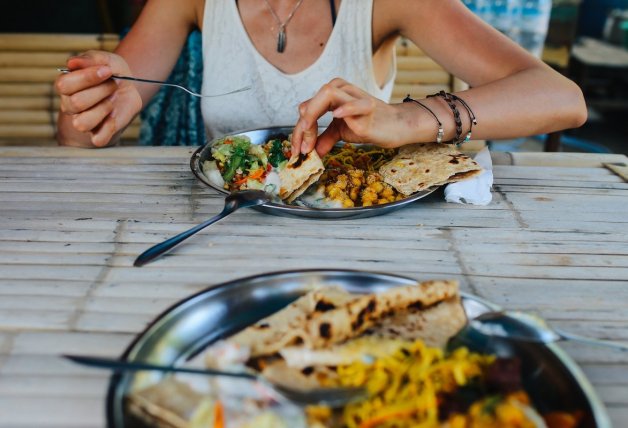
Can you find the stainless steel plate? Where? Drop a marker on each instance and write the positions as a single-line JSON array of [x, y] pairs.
[[552, 379], [260, 136]]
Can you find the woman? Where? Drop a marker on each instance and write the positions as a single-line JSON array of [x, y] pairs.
[[337, 53]]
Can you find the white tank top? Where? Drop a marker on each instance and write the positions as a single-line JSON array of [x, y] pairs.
[[230, 61]]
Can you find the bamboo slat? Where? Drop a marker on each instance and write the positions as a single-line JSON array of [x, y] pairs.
[[33, 59], [57, 42], [30, 103], [423, 77], [416, 63], [417, 90], [25, 89], [26, 117], [28, 74], [47, 131]]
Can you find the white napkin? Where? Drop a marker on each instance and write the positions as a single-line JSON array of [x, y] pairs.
[[476, 190]]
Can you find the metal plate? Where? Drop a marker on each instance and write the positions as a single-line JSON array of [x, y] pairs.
[[260, 136], [552, 379]]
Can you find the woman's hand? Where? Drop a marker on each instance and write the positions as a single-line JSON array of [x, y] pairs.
[[358, 118], [94, 107]]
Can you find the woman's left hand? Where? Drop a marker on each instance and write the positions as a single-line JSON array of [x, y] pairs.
[[358, 118]]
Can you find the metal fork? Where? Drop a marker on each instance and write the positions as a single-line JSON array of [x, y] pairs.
[[160, 82], [332, 397]]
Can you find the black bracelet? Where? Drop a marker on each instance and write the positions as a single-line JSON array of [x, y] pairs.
[[441, 132], [454, 109], [472, 119]]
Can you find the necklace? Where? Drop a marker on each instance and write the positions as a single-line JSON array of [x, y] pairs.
[[281, 37]]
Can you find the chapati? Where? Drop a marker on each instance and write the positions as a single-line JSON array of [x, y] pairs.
[[419, 166], [299, 173]]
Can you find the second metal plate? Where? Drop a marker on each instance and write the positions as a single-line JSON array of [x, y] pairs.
[[551, 378]]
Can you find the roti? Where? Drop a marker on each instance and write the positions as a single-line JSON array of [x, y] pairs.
[[299, 173], [364, 312], [287, 327], [419, 166], [331, 315]]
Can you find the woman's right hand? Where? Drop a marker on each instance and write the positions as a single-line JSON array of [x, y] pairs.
[[94, 107]]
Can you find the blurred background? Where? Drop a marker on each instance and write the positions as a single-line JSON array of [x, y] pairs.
[[587, 40]]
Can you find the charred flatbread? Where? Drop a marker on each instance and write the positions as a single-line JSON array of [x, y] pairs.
[[329, 316], [360, 314], [419, 166], [299, 173], [288, 326]]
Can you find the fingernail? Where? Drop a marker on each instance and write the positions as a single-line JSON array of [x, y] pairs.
[[338, 112], [103, 72], [305, 145]]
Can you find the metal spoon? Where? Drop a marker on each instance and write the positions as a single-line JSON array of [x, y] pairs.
[[333, 397], [527, 327], [160, 82], [234, 201]]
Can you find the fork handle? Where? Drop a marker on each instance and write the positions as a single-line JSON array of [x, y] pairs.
[[121, 365], [162, 247], [591, 341]]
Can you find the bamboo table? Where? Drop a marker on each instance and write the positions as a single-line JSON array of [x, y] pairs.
[[554, 241]]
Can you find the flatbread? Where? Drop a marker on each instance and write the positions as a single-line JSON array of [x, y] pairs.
[[419, 166], [331, 315], [434, 326], [299, 173], [360, 314], [167, 404], [288, 326]]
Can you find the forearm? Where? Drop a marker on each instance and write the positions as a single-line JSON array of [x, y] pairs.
[[531, 102]]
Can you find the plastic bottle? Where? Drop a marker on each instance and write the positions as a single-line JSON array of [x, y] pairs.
[[535, 15]]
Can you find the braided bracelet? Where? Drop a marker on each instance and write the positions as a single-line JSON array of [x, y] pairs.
[[454, 109], [441, 132], [472, 119]]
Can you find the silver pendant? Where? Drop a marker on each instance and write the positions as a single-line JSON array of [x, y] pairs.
[[281, 40]]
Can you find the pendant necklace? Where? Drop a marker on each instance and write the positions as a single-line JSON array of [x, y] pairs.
[[281, 37]]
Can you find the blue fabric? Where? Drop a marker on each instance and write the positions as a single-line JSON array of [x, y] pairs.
[[173, 117]]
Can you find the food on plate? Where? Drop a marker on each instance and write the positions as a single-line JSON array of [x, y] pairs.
[[419, 166], [348, 176], [332, 315], [391, 343], [237, 164], [351, 177], [298, 174]]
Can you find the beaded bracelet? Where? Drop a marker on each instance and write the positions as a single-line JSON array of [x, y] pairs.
[[441, 132], [454, 109]]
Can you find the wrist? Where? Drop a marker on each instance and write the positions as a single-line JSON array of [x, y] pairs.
[[421, 123]]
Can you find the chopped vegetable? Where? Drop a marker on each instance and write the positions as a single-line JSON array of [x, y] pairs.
[[276, 153], [219, 415]]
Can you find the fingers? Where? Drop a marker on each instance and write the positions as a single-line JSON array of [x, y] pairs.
[[328, 138], [104, 133], [87, 98], [329, 97], [92, 118], [89, 59], [81, 79]]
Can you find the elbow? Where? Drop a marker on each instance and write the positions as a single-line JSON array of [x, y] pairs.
[[577, 111]]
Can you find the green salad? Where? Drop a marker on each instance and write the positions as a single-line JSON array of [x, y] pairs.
[[238, 164]]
